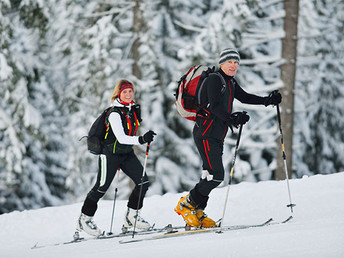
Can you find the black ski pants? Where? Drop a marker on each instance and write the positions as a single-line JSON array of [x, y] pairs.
[[211, 151], [108, 166]]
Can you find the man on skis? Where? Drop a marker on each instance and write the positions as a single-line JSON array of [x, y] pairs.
[[210, 131]]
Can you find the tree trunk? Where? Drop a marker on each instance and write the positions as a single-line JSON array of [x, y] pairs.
[[289, 53], [138, 25]]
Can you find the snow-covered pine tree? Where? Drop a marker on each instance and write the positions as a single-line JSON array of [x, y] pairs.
[[30, 150], [319, 88], [59, 62]]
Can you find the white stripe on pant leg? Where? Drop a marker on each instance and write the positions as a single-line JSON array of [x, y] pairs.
[[103, 169]]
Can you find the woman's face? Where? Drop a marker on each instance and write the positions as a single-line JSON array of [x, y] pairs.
[[127, 95]]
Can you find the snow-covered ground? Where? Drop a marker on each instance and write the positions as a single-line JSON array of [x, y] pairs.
[[317, 229]]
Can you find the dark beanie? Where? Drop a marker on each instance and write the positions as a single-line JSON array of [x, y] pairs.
[[229, 54]]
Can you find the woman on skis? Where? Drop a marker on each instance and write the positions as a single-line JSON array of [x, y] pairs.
[[124, 119]]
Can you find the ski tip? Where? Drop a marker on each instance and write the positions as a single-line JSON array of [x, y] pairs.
[[289, 218], [35, 246]]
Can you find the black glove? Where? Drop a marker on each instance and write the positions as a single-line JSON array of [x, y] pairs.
[[147, 137], [238, 118], [274, 98]]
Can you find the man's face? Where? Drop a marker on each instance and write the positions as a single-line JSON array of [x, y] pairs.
[[230, 67]]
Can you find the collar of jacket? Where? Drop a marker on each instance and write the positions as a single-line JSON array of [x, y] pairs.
[[225, 76], [118, 103]]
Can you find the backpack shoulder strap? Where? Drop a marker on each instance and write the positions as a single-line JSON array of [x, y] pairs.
[[114, 109], [222, 81], [109, 110], [137, 110]]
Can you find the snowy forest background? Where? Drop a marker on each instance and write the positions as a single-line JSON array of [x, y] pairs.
[[60, 60]]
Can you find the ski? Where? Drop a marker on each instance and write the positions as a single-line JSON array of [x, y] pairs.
[[283, 221], [196, 231], [81, 239], [168, 229], [206, 230]]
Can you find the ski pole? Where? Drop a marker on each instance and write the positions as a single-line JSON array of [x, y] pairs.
[[291, 205], [230, 176], [114, 202], [141, 184]]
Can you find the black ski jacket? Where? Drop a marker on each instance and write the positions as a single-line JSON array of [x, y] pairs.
[[219, 102], [131, 119]]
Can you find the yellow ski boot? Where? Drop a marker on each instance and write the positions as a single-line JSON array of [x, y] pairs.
[[187, 211], [204, 220]]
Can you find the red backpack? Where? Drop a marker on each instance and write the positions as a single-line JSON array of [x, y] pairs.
[[189, 90]]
